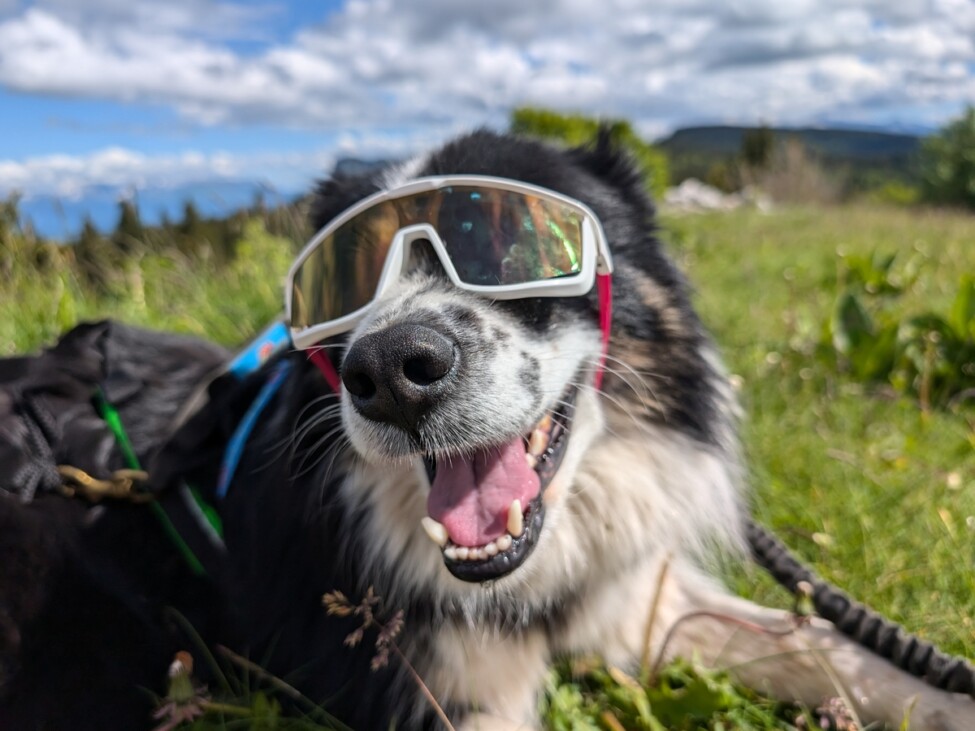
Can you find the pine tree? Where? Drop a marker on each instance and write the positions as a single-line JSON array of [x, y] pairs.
[[94, 258], [757, 146], [948, 163], [129, 234]]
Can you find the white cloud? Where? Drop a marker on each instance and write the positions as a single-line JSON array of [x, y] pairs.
[[439, 63], [431, 67], [70, 176], [204, 18]]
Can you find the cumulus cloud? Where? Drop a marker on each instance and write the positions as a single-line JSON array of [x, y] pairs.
[[207, 18], [70, 176], [378, 63], [432, 67]]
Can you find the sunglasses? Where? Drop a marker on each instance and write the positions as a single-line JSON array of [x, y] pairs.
[[495, 237]]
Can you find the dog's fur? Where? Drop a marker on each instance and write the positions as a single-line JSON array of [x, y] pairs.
[[647, 500]]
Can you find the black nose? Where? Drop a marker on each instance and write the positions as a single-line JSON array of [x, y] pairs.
[[397, 374]]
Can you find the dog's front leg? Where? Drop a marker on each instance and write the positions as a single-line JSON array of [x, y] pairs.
[[806, 660], [497, 675], [660, 610]]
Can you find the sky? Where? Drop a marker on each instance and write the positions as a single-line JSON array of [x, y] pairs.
[[121, 95]]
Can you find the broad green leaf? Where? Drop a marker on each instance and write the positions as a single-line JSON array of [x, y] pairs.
[[851, 323], [962, 314]]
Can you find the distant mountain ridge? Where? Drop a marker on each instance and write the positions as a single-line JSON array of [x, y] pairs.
[[59, 219], [864, 156], [848, 144]]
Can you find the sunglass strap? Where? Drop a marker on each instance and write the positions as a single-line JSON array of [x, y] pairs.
[[318, 357], [604, 289]]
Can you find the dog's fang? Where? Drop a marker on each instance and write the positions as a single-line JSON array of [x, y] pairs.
[[436, 531], [516, 524], [537, 442], [531, 459]]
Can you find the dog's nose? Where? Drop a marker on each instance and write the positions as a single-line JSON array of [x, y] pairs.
[[397, 374]]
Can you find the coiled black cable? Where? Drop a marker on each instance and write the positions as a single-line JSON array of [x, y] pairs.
[[861, 623]]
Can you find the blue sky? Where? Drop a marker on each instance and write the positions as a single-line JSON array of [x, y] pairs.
[[133, 94]]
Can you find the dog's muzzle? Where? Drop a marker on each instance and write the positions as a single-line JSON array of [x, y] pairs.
[[395, 376]]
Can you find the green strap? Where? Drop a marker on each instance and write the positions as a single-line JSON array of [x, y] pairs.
[[114, 421]]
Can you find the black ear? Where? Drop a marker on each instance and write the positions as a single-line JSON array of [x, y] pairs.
[[606, 158], [333, 195]]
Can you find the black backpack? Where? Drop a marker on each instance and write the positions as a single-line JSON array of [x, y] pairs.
[[82, 581]]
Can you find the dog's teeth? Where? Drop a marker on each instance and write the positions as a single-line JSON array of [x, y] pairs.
[[462, 553], [477, 554], [450, 552], [504, 542], [516, 524], [436, 531], [537, 441], [491, 549], [531, 459]]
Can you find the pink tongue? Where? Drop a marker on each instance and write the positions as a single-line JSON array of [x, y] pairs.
[[470, 496]]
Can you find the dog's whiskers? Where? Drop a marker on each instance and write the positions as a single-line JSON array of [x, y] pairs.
[[302, 427], [304, 466], [326, 416], [644, 382]]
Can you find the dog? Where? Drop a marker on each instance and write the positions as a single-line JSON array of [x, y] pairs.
[[490, 488]]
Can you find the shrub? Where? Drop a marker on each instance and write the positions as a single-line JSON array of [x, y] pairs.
[[576, 129], [948, 163], [794, 175], [929, 355], [895, 193]]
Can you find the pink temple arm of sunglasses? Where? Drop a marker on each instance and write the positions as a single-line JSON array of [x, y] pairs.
[[604, 288], [318, 357]]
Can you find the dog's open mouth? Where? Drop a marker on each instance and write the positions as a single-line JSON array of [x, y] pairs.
[[485, 509]]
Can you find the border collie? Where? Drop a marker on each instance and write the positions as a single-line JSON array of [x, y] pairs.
[[639, 490], [548, 499]]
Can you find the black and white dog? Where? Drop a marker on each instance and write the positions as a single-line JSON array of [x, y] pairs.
[[640, 477], [638, 491]]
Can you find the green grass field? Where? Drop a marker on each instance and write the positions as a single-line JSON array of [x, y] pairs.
[[876, 493]]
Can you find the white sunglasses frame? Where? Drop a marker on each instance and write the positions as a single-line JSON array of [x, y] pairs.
[[595, 253]]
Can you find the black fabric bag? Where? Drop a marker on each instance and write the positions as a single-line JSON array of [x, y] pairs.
[[47, 414], [68, 565]]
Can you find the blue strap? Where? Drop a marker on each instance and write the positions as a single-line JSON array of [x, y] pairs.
[[235, 447], [273, 339]]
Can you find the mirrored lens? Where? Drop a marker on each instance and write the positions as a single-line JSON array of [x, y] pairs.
[[493, 237], [342, 273], [497, 237]]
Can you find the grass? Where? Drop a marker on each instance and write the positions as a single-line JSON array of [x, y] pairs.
[[160, 288], [878, 495]]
